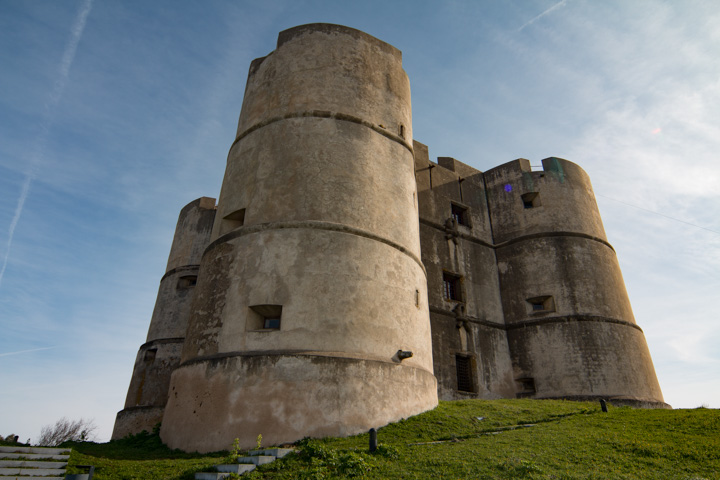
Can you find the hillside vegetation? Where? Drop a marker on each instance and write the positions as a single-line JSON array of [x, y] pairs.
[[471, 439]]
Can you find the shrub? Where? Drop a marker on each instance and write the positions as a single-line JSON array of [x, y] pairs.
[[66, 430]]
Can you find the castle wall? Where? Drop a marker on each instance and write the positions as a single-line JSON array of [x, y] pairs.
[[160, 355], [345, 281], [470, 328], [314, 281], [570, 326]]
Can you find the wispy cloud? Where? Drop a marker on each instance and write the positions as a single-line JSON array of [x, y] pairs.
[[19, 352], [58, 89], [535, 19]]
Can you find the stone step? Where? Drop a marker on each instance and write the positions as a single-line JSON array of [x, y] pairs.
[[33, 456], [274, 452], [256, 459], [15, 477], [43, 450], [31, 464], [208, 476], [35, 472], [238, 468]]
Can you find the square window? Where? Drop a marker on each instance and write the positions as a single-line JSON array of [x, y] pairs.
[[264, 317], [542, 304], [531, 200], [451, 287], [187, 281], [460, 214]]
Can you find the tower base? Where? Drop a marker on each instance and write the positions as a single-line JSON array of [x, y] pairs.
[[133, 420], [288, 396]]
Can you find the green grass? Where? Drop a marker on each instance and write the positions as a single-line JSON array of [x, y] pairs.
[[471, 439]]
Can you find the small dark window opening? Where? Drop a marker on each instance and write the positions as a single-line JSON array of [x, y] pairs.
[[402, 131], [451, 287], [460, 214], [187, 281], [150, 355], [265, 317], [541, 304], [531, 200], [527, 387], [463, 366], [232, 221]]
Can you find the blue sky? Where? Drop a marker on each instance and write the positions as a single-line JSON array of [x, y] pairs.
[[115, 114]]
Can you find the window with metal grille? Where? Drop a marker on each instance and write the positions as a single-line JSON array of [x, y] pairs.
[[451, 287], [463, 366], [460, 214]]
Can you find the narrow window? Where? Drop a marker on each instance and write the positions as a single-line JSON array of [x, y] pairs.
[[417, 298], [451, 287], [531, 200], [232, 221], [264, 317], [460, 214], [542, 304], [188, 281], [402, 130], [463, 366]]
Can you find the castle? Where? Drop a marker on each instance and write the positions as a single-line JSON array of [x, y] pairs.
[[344, 281]]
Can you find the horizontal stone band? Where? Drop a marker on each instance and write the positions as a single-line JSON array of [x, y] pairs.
[[326, 114], [312, 225]]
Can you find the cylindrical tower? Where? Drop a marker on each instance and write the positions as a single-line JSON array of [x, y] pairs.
[[160, 355], [312, 294], [571, 329]]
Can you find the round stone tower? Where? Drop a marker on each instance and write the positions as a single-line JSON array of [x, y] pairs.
[[160, 355], [310, 316], [570, 326]]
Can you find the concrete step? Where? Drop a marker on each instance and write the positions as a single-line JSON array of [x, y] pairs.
[[209, 476], [273, 452], [31, 464], [238, 468], [43, 450], [15, 477], [256, 459], [33, 456], [35, 472]]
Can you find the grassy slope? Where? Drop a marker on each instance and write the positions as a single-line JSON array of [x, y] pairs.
[[567, 440]]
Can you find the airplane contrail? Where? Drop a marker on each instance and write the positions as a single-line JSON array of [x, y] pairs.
[[58, 89], [7, 354], [533, 20]]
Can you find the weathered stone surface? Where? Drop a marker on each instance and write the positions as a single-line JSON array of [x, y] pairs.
[[337, 243], [158, 358], [286, 396]]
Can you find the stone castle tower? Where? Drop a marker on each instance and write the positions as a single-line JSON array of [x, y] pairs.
[[345, 281]]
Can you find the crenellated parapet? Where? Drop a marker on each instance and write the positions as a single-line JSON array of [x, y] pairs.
[[557, 199]]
